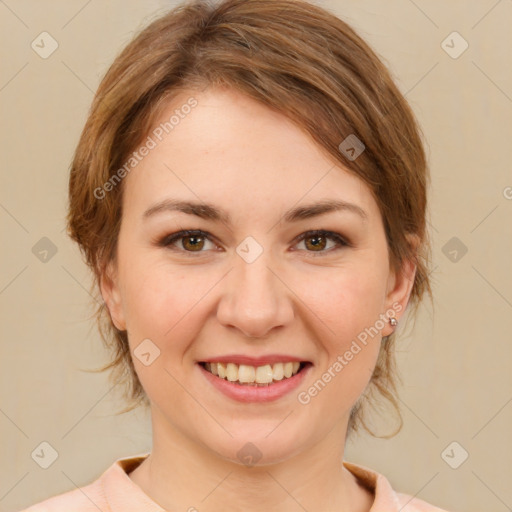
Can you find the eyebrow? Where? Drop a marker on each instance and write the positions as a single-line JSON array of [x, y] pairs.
[[208, 211]]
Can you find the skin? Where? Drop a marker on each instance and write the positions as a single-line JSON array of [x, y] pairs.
[[312, 303]]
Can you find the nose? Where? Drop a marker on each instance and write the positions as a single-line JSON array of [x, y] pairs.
[[255, 299]]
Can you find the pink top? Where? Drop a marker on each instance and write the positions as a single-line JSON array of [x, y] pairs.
[[114, 491]]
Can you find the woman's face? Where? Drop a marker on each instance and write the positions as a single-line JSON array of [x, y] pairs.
[[249, 286]]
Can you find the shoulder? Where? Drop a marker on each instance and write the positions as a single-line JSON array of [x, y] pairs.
[[411, 504], [113, 489], [386, 499], [85, 499]]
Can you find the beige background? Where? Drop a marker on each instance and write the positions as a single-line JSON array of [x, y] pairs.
[[456, 365]]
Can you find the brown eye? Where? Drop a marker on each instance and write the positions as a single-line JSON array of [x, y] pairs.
[[188, 241], [317, 241], [192, 242]]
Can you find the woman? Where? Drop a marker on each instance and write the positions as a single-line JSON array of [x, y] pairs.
[[250, 193]]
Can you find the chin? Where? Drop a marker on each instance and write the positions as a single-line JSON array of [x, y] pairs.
[[258, 446]]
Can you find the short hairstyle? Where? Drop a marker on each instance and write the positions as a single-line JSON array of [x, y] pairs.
[[295, 58]]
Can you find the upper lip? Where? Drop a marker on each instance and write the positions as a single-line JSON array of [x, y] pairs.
[[253, 361]]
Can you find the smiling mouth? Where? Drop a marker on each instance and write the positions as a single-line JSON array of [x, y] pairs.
[[260, 376]]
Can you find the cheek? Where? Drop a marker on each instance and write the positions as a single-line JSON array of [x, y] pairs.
[[346, 301], [158, 297], [350, 308], [347, 307], [162, 304]]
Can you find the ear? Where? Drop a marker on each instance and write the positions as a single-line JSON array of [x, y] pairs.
[[400, 284], [111, 295]]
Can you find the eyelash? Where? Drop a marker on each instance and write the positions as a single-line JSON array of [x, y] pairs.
[[168, 240]]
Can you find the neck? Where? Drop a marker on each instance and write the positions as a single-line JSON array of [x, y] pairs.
[[180, 474]]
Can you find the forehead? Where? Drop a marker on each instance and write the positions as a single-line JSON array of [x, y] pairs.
[[222, 146]]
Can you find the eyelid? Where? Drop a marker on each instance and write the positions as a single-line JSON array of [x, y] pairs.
[[168, 240], [323, 232], [341, 241]]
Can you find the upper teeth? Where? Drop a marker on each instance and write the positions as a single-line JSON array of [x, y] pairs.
[[259, 374]]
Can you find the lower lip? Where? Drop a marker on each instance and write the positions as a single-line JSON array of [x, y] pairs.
[[244, 393]]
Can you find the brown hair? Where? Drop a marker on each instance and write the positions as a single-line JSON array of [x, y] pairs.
[[292, 56]]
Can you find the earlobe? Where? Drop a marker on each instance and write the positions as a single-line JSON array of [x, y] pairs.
[[400, 286], [112, 297]]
